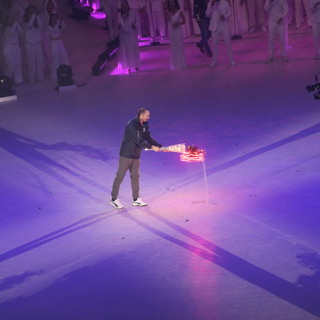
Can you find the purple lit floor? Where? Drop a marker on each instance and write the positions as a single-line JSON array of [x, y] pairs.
[[246, 248]]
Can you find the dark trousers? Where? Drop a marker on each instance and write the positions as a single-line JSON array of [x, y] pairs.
[[125, 164], [205, 33]]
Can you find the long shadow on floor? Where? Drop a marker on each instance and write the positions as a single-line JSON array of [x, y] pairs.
[[27, 150], [312, 261], [115, 288], [18, 279], [229, 164], [76, 226], [303, 296]]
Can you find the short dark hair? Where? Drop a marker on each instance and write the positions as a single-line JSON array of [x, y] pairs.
[[141, 111]]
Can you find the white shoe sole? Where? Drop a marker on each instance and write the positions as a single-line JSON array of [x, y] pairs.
[[115, 206], [139, 204]]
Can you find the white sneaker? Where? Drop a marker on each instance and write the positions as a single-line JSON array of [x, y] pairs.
[[139, 203], [116, 203]]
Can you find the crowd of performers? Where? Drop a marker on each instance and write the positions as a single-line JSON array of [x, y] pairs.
[[33, 33], [215, 19]]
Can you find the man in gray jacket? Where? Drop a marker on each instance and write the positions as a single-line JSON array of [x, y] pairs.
[[136, 137]]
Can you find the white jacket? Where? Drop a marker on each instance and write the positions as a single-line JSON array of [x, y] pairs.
[[11, 34], [32, 34], [277, 9], [215, 11]]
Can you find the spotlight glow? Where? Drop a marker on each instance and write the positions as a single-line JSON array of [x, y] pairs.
[[98, 15], [193, 154]]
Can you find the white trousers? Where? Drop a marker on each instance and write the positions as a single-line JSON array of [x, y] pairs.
[[45, 43], [156, 21], [185, 8], [112, 20], [59, 56], [316, 37], [290, 14], [138, 20], [13, 62], [256, 12], [280, 30], [298, 13], [239, 19], [34, 61], [222, 31]]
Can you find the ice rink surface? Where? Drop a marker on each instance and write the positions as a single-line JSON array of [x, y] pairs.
[[244, 246]]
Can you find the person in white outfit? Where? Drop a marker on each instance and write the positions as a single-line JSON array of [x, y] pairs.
[[220, 12], [49, 7], [289, 19], [129, 56], [111, 9], [175, 18], [256, 14], [155, 12], [58, 52], [14, 8], [290, 16], [185, 7], [314, 7], [12, 50], [32, 25], [277, 10], [135, 6], [239, 19], [301, 7]]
